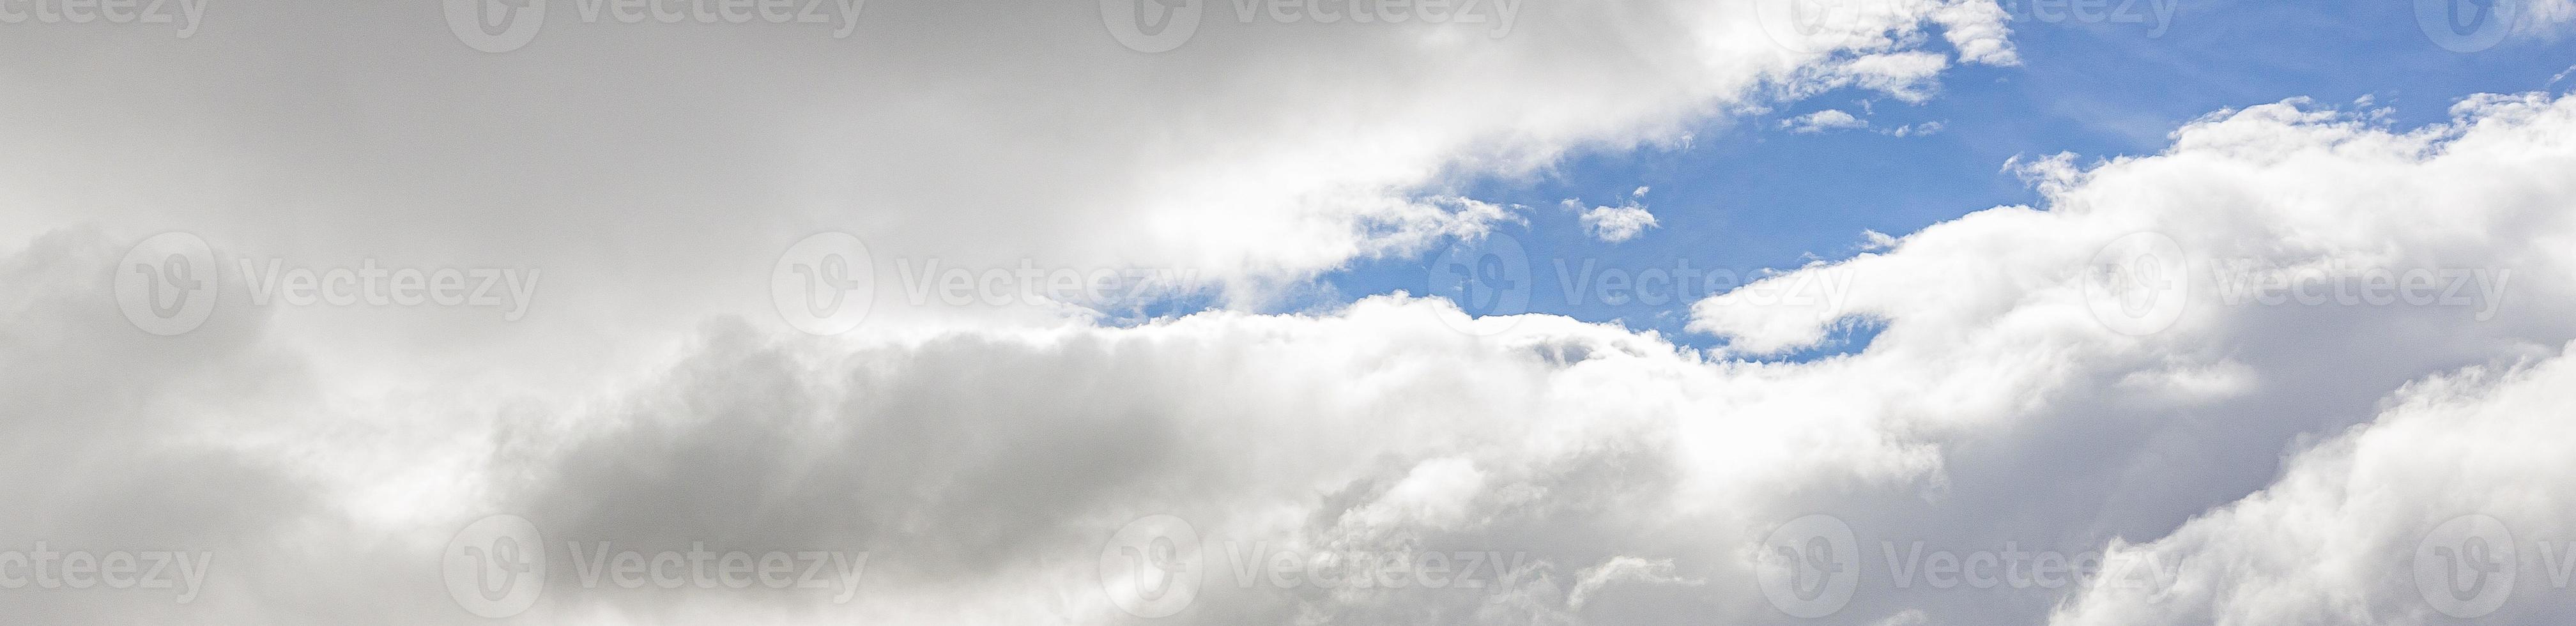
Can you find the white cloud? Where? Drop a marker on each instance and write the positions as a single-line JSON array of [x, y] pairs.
[[1821, 121], [1614, 224], [1977, 29], [324, 457], [1166, 160], [2337, 537]]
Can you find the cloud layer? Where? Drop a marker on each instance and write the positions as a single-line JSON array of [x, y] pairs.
[[2217, 361]]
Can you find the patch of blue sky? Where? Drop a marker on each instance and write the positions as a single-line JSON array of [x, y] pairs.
[[1753, 194]]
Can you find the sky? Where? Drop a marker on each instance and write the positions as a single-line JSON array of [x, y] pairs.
[[1754, 193], [1898, 312]]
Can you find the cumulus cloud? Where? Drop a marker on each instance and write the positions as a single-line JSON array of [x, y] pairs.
[[2023, 388], [1338, 151], [2381, 524], [1614, 224], [1582, 463], [1821, 121]]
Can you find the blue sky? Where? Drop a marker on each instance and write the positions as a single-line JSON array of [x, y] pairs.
[[1747, 194]]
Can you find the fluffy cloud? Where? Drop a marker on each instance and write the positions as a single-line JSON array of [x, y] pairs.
[[1611, 476], [1821, 121], [2375, 525], [1260, 152], [2024, 390], [1614, 224]]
